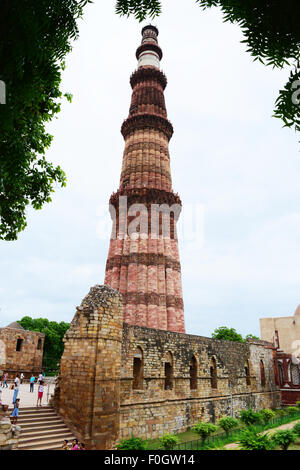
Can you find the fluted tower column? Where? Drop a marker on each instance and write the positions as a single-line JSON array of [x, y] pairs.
[[143, 264]]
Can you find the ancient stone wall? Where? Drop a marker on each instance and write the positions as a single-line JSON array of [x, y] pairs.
[[21, 351], [117, 379], [222, 385], [88, 388]]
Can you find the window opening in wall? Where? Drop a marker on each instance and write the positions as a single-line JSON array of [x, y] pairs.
[[193, 373], [213, 374], [19, 344]]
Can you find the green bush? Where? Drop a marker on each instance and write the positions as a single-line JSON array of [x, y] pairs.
[[284, 438], [267, 415], [134, 443], [298, 404], [296, 429], [281, 412], [251, 440], [227, 423], [168, 441], [292, 409], [204, 430], [250, 417]]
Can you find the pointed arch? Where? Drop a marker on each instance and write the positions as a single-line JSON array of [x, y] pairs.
[[138, 369], [193, 373]]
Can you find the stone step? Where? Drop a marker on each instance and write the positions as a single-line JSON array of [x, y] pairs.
[[36, 415], [33, 437], [41, 425], [36, 431], [37, 419], [46, 444]]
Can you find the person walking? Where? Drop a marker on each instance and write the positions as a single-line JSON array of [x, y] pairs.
[[31, 382], [22, 377], [40, 379], [16, 388], [5, 377], [15, 414]]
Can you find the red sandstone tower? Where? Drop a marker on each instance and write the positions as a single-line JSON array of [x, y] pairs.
[[143, 261]]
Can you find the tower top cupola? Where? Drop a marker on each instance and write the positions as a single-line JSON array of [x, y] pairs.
[[149, 53]]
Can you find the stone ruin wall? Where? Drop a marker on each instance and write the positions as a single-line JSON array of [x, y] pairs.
[[152, 410], [95, 395], [28, 360]]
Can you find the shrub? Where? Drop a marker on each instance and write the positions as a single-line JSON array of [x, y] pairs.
[[298, 404], [227, 423], [284, 438], [296, 429], [292, 409], [267, 415], [251, 440], [204, 430], [250, 417], [134, 443], [168, 441], [281, 412]]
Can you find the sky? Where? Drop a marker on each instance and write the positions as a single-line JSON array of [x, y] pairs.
[[234, 166]]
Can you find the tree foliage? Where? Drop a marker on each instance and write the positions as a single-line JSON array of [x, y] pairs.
[[204, 430], [227, 423], [34, 40], [133, 443], [250, 417], [271, 33], [284, 438], [168, 441], [251, 440], [54, 333]]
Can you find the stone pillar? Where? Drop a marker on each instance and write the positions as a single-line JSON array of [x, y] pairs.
[[88, 388]]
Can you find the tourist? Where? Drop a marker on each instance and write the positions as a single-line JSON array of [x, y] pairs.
[[22, 377], [31, 382], [5, 380], [82, 446], [15, 413], [65, 445], [75, 445], [16, 388], [40, 379], [40, 393]]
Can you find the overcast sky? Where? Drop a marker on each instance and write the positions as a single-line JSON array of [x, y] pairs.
[[230, 161]]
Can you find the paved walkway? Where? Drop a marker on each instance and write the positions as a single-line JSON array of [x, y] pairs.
[[27, 398], [235, 445]]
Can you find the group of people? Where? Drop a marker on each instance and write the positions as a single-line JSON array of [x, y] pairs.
[[74, 446], [16, 387]]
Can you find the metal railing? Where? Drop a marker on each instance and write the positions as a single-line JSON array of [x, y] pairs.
[[198, 444]]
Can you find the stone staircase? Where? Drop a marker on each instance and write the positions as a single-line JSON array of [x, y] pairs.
[[42, 429]]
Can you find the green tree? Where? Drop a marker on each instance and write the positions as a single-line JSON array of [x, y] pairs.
[[168, 441], [250, 417], [225, 333], [133, 443], [284, 438], [35, 37], [271, 33], [296, 429], [267, 415], [204, 430], [227, 423], [54, 333], [251, 440]]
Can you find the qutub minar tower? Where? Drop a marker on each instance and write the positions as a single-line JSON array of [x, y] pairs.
[[145, 268]]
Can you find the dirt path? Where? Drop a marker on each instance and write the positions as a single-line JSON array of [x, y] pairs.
[[235, 445]]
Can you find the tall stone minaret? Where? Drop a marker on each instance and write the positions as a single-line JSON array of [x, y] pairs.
[[143, 261]]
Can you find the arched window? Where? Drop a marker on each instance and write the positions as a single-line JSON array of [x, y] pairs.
[[247, 373], [295, 374], [262, 374], [138, 366], [193, 374], [39, 345], [213, 373], [168, 371]]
